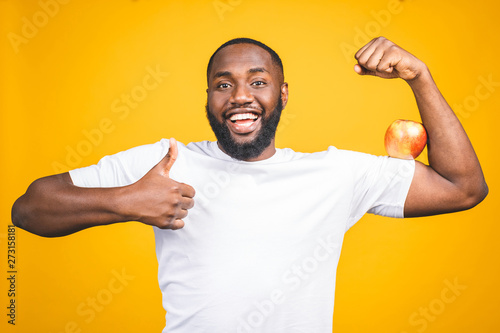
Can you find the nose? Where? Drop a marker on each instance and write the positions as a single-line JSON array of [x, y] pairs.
[[241, 95]]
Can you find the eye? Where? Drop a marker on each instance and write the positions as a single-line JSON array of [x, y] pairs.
[[258, 83], [223, 86]]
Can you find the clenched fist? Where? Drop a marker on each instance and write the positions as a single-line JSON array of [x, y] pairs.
[[382, 58], [158, 200]]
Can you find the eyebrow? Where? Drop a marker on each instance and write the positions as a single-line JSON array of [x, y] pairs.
[[250, 71], [257, 70], [221, 74]]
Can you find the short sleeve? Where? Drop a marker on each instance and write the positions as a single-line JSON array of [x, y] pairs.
[[381, 184], [121, 169]]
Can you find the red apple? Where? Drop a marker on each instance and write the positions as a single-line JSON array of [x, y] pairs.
[[405, 139]]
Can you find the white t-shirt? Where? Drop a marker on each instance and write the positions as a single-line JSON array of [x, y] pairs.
[[260, 248]]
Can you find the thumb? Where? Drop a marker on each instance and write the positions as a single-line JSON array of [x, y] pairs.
[[168, 161]]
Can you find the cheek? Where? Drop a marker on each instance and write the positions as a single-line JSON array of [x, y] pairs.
[[216, 105], [213, 101], [269, 100]]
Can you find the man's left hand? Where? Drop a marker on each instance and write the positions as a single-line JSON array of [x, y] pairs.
[[382, 58]]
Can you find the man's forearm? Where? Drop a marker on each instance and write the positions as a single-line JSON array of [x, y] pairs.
[[450, 152], [53, 206]]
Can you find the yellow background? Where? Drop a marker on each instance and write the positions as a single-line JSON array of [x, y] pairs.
[[64, 79]]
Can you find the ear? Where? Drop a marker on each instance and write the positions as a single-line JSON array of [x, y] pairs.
[[284, 94]]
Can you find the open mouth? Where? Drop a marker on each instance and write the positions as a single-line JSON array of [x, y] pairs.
[[243, 123], [241, 117]]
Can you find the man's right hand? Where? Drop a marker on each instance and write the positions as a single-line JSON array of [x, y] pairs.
[[52, 206], [158, 200]]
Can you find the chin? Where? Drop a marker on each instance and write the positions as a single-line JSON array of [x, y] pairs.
[[243, 140]]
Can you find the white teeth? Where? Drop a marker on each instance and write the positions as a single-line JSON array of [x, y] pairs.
[[243, 116]]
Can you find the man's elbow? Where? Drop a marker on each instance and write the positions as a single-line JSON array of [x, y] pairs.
[[25, 213], [475, 195], [18, 213], [23, 217]]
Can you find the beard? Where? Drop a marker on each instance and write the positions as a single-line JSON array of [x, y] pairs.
[[246, 150]]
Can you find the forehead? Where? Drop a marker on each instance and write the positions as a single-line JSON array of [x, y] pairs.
[[242, 57]]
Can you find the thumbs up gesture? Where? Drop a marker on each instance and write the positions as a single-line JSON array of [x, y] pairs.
[[158, 200]]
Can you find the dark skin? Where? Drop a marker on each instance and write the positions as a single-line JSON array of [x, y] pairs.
[[453, 180], [244, 80], [52, 206]]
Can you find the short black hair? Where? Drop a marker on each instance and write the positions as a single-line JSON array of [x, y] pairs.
[[274, 56]]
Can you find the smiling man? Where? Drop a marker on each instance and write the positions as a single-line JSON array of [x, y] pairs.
[[259, 249], [245, 123]]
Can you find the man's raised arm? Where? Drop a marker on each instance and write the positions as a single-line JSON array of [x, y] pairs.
[[453, 180], [52, 206]]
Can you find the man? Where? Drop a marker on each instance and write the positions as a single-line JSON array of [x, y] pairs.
[[258, 251]]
